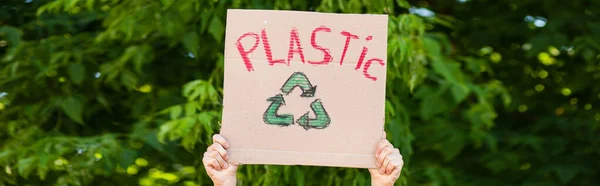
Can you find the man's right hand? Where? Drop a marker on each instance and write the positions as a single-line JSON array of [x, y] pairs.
[[216, 162]]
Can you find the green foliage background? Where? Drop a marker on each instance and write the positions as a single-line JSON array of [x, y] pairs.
[[128, 92]]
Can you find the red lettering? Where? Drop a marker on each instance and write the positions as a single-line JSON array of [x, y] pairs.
[[267, 47], [327, 58], [295, 47], [361, 58], [363, 54], [245, 53], [368, 64], [295, 39], [348, 37]]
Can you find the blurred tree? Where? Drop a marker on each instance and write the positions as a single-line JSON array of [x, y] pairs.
[[546, 53], [109, 92]]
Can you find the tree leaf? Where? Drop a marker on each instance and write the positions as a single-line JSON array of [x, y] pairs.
[[566, 173], [73, 107], [127, 157], [191, 41], [403, 3], [432, 47], [435, 104], [165, 129], [449, 70], [26, 165], [102, 100], [176, 112], [76, 73], [460, 92], [12, 35], [190, 109], [90, 5], [128, 79], [166, 4], [299, 175], [217, 29], [498, 162]]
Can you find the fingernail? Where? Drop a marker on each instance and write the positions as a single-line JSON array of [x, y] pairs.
[[226, 165], [227, 157], [380, 171]]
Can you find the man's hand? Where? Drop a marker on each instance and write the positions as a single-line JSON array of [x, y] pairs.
[[389, 164], [215, 162]]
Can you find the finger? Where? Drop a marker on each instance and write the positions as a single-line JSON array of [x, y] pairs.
[[381, 157], [386, 152], [217, 138], [392, 164], [382, 144], [211, 162], [384, 135], [220, 159], [383, 167], [217, 147], [396, 165]]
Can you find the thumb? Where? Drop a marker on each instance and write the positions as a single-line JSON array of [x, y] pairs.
[[384, 135]]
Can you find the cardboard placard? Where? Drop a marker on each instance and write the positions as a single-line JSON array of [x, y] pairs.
[[304, 88]]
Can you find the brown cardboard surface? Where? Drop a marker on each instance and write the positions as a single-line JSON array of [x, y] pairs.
[[352, 101]]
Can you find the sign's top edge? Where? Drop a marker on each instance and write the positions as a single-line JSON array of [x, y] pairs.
[[300, 11]]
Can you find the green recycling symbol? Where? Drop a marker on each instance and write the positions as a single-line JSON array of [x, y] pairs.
[[298, 79]]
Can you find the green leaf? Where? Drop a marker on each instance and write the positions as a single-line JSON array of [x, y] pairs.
[[432, 47], [127, 157], [166, 3], [481, 113], [191, 41], [73, 107], [12, 35], [165, 129], [152, 140], [190, 109], [142, 55], [498, 162], [449, 70], [389, 108], [102, 100], [69, 4], [26, 166], [205, 119], [204, 20], [435, 104], [128, 79], [42, 172], [90, 5], [299, 175], [416, 73], [5, 154], [403, 3], [217, 29], [187, 130], [460, 92], [452, 146], [566, 173], [176, 112], [76, 73]]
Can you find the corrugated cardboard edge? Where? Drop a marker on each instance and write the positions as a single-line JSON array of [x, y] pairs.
[[302, 158], [310, 12]]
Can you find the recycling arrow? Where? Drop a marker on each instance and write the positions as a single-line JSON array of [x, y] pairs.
[[299, 79], [271, 117], [321, 121]]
